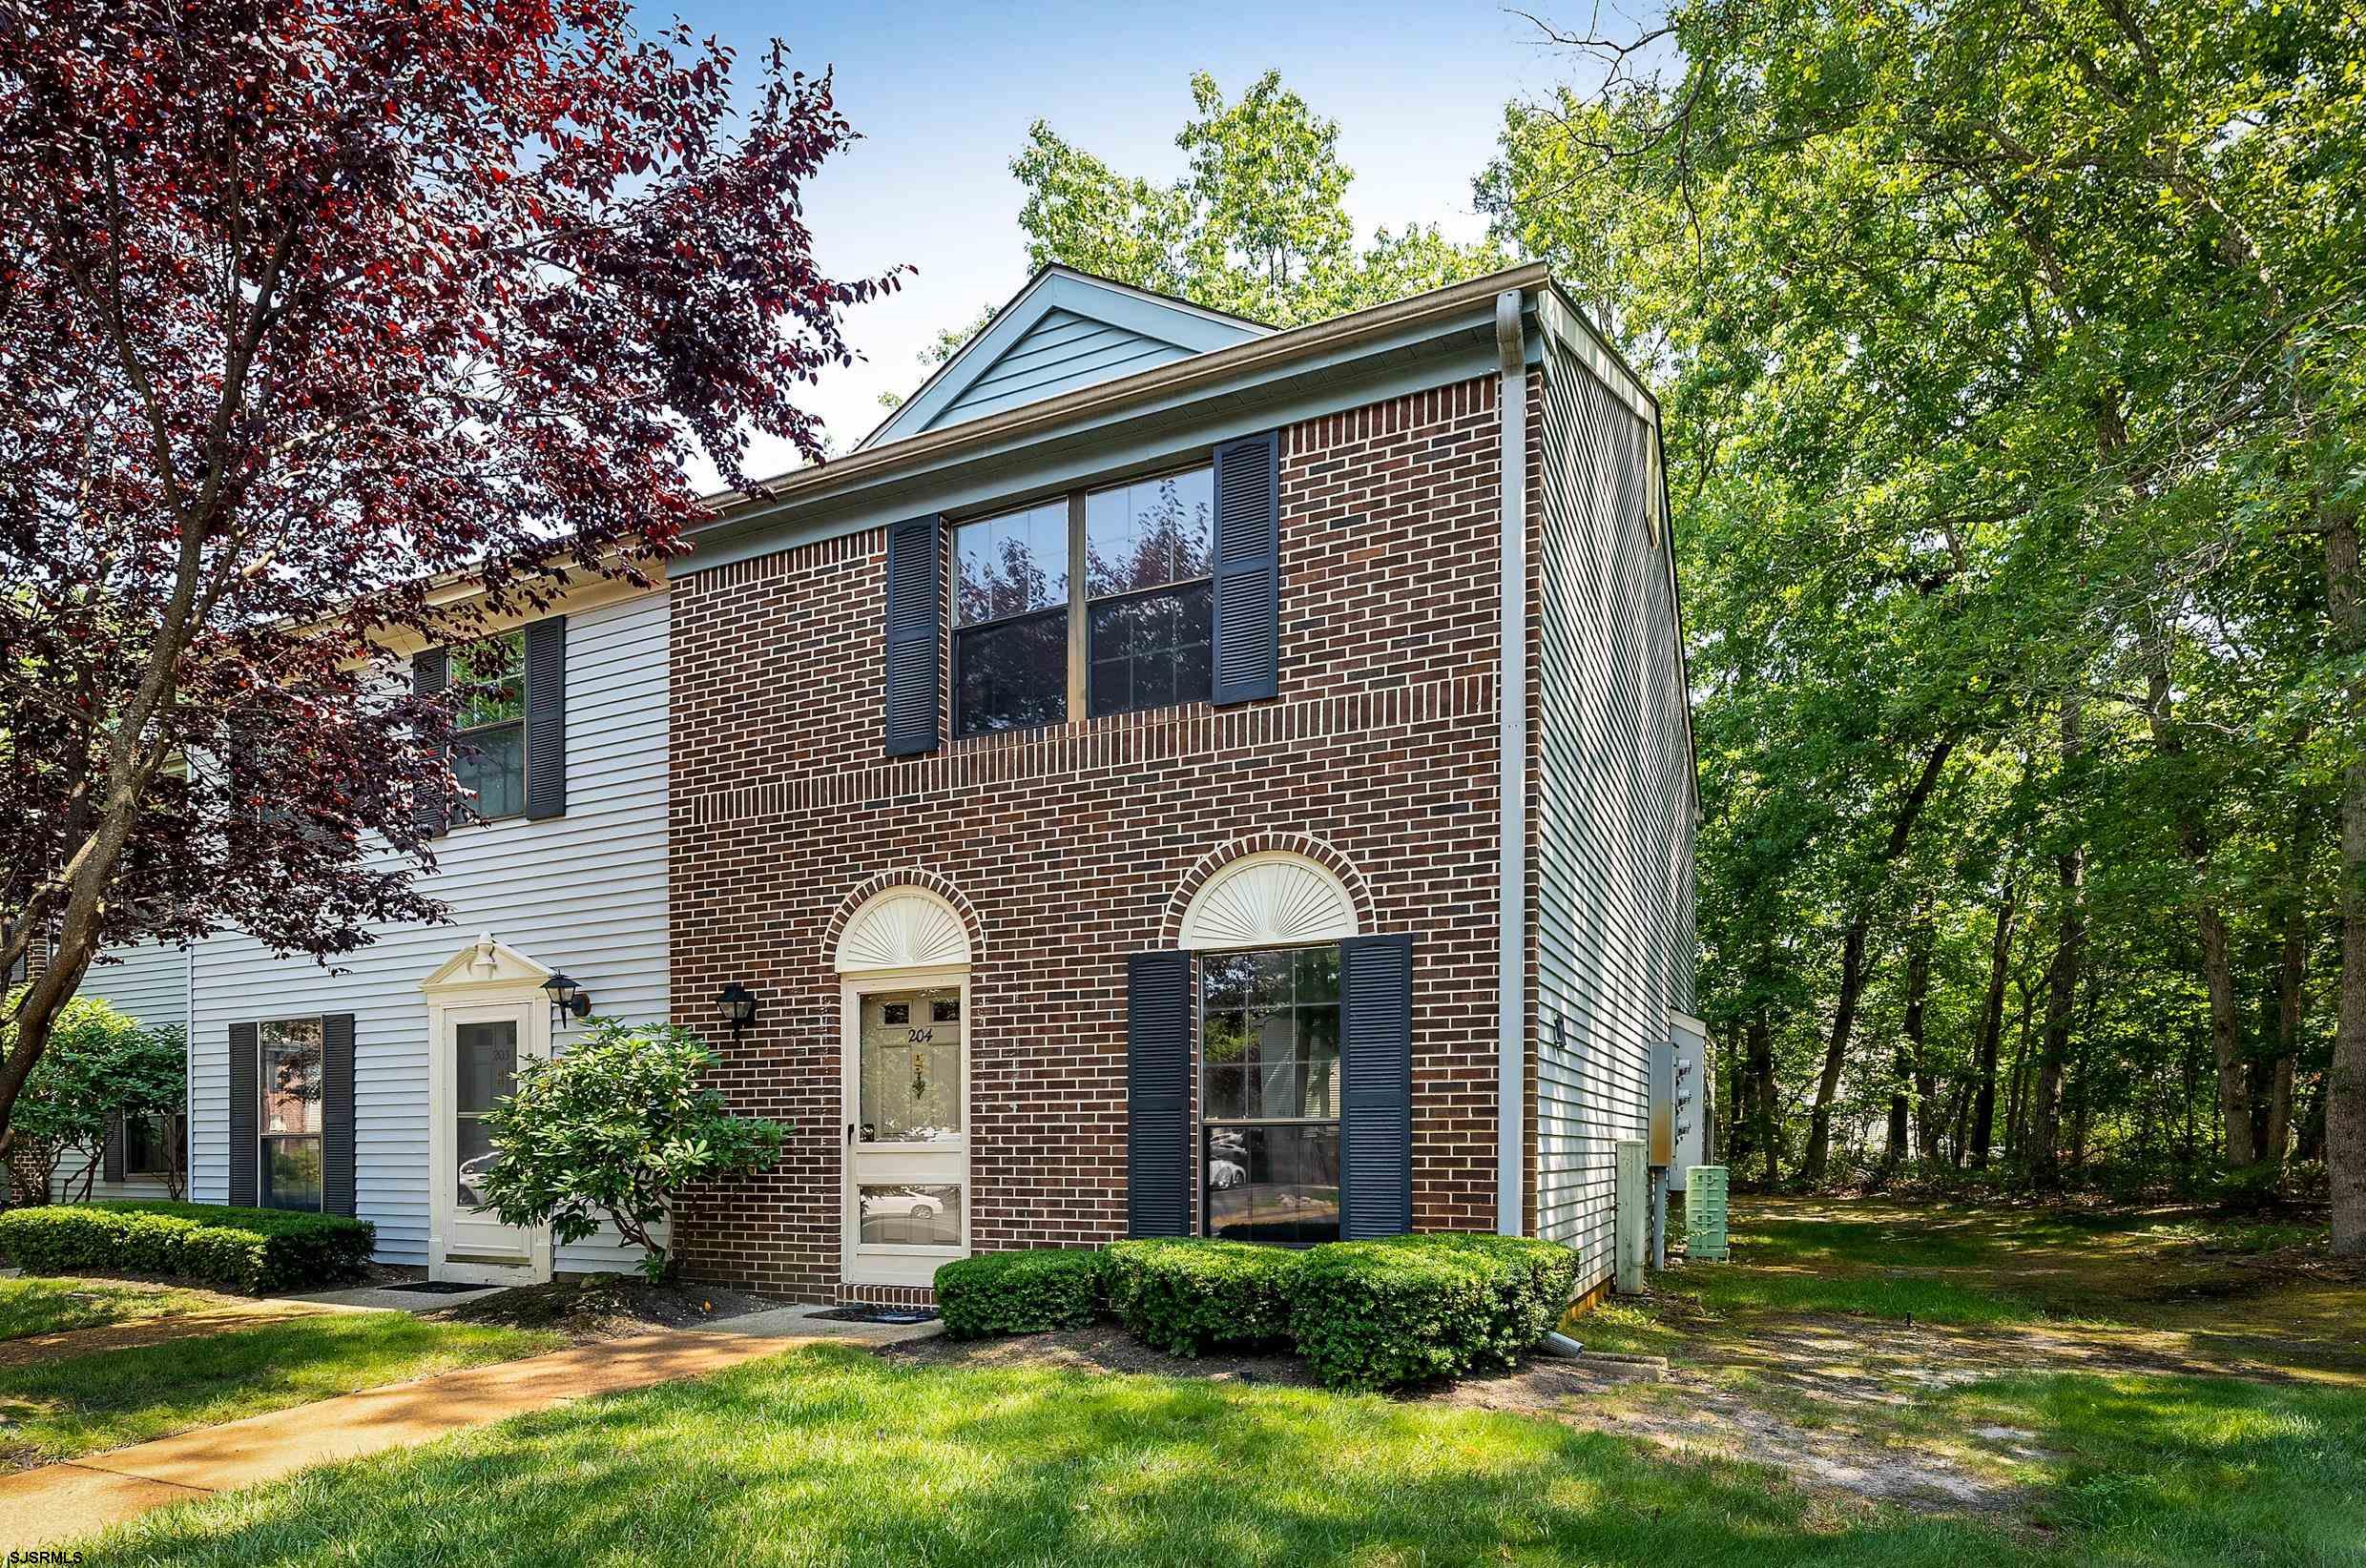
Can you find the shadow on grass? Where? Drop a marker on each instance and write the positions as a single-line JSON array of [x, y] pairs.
[[2192, 1468], [79, 1404], [831, 1456]]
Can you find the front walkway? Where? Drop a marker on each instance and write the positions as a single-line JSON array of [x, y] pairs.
[[66, 1502]]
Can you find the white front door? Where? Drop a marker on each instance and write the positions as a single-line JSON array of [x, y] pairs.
[[476, 1053], [907, 1127]]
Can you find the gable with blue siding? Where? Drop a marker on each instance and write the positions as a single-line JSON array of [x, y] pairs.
[[1065, 331]]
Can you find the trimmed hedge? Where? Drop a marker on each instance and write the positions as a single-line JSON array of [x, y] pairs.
[[1188, 1296], [1379, 1314], [1022, 1293], [249, 1249]]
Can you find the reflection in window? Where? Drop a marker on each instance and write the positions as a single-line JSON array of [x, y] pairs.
[[910, 1087], [489, 745], [1274, 1183], [152, 1145], [485, 1071], [1146, 553], [1010, 620], [1270, 1093], [289, 1079], [911, 1216]]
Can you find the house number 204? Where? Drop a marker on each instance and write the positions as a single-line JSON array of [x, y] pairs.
[[922, 1036]]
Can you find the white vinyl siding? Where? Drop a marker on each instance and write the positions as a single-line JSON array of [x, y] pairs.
[[585, 892], [1613, 944]]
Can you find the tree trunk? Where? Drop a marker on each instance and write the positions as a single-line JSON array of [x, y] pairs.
[[2209, 921], [1852, 965], [1740, 1104], [1959, 1117], [1991, 1026], [2017, 1106], [1835, 1049], [1762, 1078], [1927, 1119], [2345, 1080], [2290, 993], [2045, 1124], [2225, 1038], [1911, 1067]]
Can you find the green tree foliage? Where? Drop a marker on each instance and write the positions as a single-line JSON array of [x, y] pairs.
[[614, 1129], [2012, 371], [101, 1064], [1258, 227]]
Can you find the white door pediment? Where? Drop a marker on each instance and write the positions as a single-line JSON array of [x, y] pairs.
[[485, 965]]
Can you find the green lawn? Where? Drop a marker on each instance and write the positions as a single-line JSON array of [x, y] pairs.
[[2090, 1445], [830, 1457], [72, 1405], [34, 1306]]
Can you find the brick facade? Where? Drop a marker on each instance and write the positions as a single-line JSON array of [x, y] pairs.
[[1068, 849]]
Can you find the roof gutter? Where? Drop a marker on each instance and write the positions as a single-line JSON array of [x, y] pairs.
[[803, 485], [1512, 1100]]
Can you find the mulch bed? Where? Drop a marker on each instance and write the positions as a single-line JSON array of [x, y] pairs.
[[607, 1307]]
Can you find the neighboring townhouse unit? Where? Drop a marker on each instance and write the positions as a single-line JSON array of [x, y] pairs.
[[1178, 777], [359, 1089]]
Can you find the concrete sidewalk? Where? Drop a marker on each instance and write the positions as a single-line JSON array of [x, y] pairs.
[[65, 1502]]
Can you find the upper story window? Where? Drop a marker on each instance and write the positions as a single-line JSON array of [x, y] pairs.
[[1145, 572], [1143, 550], [1010, 620], [489, 734]]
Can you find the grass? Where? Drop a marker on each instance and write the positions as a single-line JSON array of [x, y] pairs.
[[35, 1306], [831, 1456], [80, 1404], [2199, 1470], [828, 1455]]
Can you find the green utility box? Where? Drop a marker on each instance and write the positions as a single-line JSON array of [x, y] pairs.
[[1704, 1213]]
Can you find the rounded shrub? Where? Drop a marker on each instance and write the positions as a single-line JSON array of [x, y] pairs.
[[1022, 1293], [1380, 1314], [1186, 1296], [250, 1249]]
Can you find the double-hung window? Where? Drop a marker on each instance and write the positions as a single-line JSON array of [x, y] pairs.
[[1145, 572], [1270, 1094], [1137, 553], [1010, 620], [290, 1079], [488, 755]]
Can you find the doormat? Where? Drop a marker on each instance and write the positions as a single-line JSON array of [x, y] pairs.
[[439, 1286], [878, 1314]]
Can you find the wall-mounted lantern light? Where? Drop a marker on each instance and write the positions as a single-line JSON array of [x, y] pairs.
[[567, 997], [738, 1006]]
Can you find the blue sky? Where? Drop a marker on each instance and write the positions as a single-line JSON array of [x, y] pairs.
[[944, 96]]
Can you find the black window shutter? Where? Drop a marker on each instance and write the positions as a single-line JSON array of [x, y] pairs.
[[111, 1157], [1159, 1094], [915, 635], [1376, 1107], [245, 1105], [337, 1113], [546, 717], [431, 669], [1248, 569]]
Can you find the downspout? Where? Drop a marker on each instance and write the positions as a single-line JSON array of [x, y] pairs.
[[1512, 784]]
